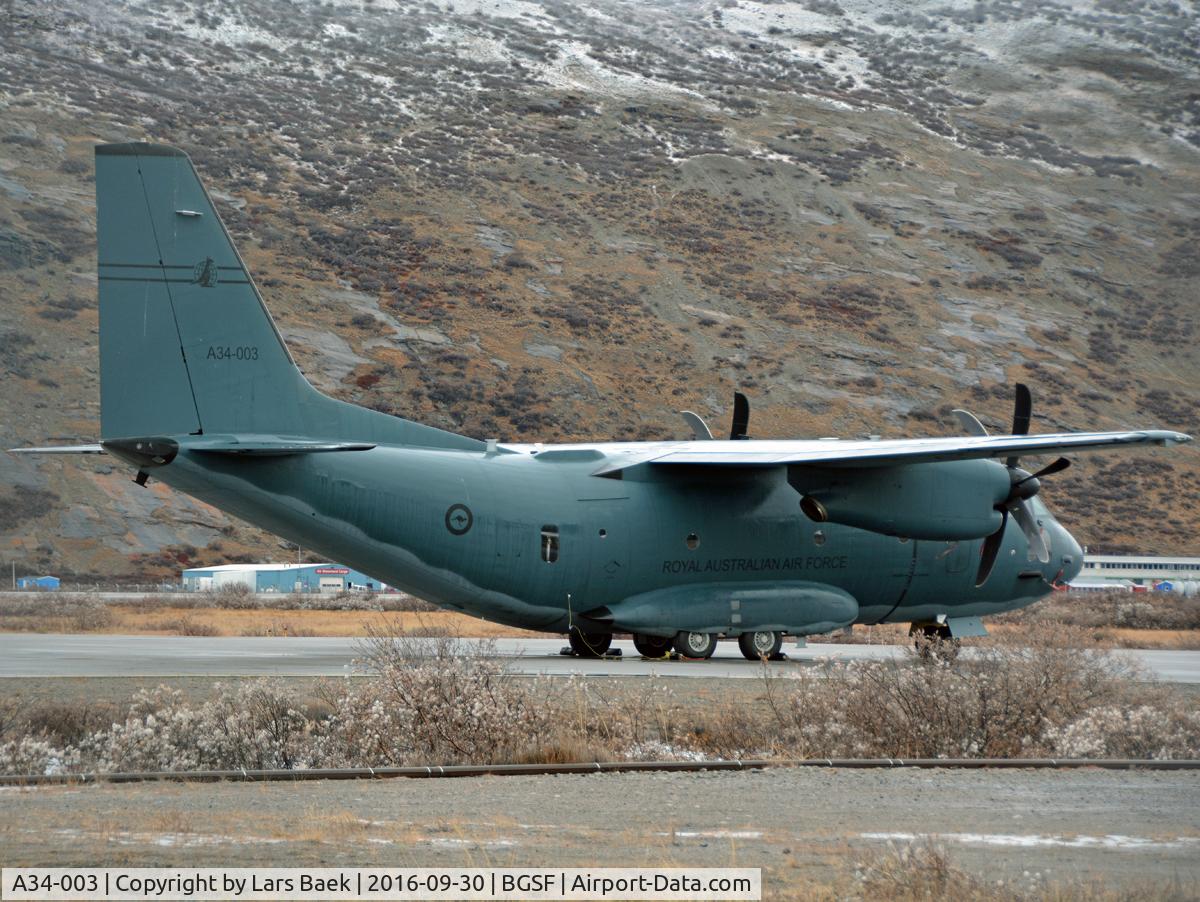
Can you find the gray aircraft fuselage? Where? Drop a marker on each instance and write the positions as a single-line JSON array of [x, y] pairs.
[[464, 529]]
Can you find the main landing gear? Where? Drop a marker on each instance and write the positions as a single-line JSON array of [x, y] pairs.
[[652, 646], [756, 646], [695, 645], [691, 645], [589, 645]]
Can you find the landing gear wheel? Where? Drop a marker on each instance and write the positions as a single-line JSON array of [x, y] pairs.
[[933, 642], [651, 646], [695, 645], [589, 645], [756, 646]]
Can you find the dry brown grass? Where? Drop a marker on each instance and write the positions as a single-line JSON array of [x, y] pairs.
[[1101, 620], [167, 621], [923, 870]]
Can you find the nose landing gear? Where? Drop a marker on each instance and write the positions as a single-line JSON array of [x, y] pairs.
[[934, 642]]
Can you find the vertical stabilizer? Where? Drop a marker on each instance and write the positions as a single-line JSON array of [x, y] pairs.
[[186, 344]]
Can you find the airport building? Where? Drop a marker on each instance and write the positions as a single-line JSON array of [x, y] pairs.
[[280, 578], [1139, 573], [38, 583]]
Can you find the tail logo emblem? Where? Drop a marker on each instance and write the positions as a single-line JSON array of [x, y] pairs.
[[204, 273]]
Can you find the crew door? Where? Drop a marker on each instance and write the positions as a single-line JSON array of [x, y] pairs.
[[606, 540]]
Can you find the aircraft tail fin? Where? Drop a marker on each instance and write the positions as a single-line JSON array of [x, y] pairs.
[[186, 344]]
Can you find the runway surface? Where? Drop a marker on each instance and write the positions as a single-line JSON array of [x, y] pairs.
[[50, 655]]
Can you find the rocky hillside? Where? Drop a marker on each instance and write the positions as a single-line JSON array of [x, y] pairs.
[[569, 221]]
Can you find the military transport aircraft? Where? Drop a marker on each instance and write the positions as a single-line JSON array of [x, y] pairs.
[[676, 542]]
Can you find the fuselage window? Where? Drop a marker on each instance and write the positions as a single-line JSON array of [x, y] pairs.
[[549, 544], [692, 541]]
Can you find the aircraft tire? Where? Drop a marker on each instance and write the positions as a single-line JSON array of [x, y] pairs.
[[758, 645], [695, 645], [651, 646], [589, 645]]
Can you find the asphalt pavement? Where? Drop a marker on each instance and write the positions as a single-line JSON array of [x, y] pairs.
[[52, 655]]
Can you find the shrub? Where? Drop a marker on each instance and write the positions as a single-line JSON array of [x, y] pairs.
[[66, 723], [1118, 609], [1003, 701], [437, 700], [88, 614], [234, 596], [919, 870], [257, 725], [30, 755], [51, 612], [1141, 731], [23, 503], [187, 626]]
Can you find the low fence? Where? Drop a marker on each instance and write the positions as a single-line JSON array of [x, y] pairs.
[[594, 767]]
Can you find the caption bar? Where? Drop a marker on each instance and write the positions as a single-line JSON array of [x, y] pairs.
[[382, 883]]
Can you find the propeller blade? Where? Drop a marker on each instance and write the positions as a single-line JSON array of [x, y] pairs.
[[990, 551], [741, 416], [1056, 467], [1022, 410], [1022, 414], [1025, 519], [700, 430], [969, 422]]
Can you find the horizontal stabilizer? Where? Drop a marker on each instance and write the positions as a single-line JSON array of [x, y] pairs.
[[268, 446], [61, 449]]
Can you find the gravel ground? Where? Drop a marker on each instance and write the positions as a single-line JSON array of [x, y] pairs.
[[804, 827]]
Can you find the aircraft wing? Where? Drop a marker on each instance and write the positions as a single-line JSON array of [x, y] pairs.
[[839, 453]]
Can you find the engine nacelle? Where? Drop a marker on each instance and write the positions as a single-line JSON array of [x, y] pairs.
[[945, 501]]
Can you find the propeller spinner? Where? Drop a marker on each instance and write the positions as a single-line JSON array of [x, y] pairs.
[[1024, 485]]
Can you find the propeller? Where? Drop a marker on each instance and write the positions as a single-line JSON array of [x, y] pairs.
[[1023, 486], [741, 420]]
